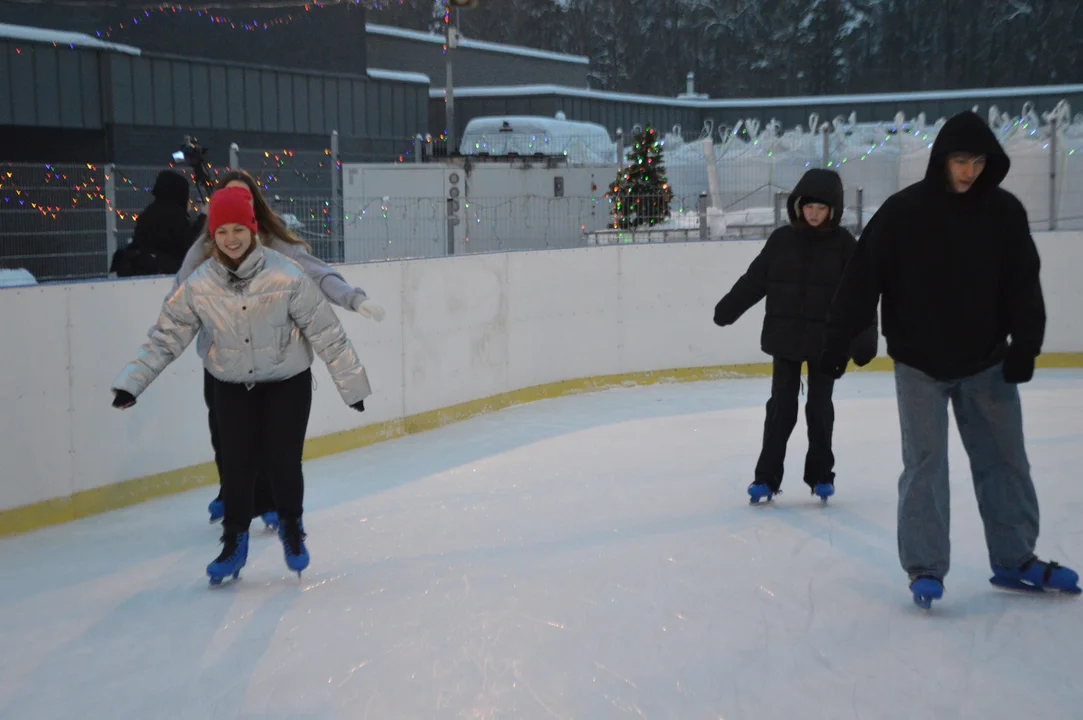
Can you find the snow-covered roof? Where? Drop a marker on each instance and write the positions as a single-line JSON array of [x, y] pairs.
[[766, 102], [398, 76], [468, 44], [61, 37]]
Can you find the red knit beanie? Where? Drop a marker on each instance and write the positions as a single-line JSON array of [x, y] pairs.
[[231, 205]]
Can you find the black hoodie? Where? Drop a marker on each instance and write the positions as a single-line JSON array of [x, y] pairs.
[[958, 273], [798, 271], [163, 229]]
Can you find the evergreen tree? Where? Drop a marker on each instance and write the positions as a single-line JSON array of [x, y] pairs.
[[640, 194]]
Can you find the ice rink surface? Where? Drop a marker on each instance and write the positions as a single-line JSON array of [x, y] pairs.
[[589, 557]]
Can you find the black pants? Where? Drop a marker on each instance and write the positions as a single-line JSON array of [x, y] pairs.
[[263, 498], [782, 417], [262, 432]]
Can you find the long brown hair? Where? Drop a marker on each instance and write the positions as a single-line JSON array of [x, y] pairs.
[[270, 225]]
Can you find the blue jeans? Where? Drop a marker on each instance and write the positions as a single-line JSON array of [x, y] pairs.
[[990, 421]]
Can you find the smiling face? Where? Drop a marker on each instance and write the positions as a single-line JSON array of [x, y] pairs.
[[233, 240], [815, 214]]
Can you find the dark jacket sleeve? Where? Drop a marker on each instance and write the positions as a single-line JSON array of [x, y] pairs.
[[749, 289], [866, 345], [853, 311], [1023, 305]]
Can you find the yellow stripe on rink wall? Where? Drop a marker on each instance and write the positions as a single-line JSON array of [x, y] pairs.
[[130, 492]]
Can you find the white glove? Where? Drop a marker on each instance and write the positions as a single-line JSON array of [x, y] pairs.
[[369, 309]]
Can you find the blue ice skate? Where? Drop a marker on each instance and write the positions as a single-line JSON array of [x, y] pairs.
[[233, 557], [760, 491], [824, 491], [292, 535], [1037, 576], [217, 509], [926, 589], [270, 519]]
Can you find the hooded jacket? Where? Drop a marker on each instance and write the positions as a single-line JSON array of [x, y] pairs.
[[263, 321], [957, 272], [163, 229], [798, 271]]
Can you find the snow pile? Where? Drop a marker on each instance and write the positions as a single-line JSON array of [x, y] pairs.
[[18, 277]]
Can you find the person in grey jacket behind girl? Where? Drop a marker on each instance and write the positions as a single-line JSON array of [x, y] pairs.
[[263, 317], [273, 234]]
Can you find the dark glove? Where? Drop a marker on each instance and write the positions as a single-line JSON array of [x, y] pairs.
[[865, 346], [1018, 366], [123, 399], [833, 364], [359, 406]]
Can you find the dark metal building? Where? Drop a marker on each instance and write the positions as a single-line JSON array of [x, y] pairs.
[[476, 63]]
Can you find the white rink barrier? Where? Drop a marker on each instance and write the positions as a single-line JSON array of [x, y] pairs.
[[462, 335]]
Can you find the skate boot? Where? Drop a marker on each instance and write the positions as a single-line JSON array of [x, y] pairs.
[[292, 535], [217, 510], [1037, 576], [270, 519], [760, 490], [233, 557], [823, 490], [926, 589]]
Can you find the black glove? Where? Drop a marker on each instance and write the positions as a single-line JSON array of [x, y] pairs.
[[359, 406], [833, 364], [123, 399], [1018, 366]]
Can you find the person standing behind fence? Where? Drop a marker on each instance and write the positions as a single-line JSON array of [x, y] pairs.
[[273, 234], [163, 231], [798, 271], [954, 262], [266, 317]]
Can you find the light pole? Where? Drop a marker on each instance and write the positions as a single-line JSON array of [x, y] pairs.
[[451, 41]]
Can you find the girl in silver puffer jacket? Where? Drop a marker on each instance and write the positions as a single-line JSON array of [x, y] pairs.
[[273, 234], [263, 316]]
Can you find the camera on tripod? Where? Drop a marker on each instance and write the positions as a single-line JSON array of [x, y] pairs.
[[195, 156]]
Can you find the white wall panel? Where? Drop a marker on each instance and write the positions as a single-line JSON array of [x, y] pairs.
[[563, 319], [35, 425], [457, 329]]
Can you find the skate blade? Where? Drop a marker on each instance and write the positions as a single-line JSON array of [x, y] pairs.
[[925, 602], [215, 581], [1025, 589]]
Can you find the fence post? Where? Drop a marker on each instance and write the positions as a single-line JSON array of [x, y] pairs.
[[1053, 126], [826, 160], [418, 140], [780, 200], [336, 190], [110, 214], [704, 234], [452, 221], [234, 156], [860, 210], [620, 148]]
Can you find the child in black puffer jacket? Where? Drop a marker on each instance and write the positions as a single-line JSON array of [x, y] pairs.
[[798, 271]]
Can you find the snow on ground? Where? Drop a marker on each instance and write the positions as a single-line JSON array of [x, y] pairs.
[[591, 557]]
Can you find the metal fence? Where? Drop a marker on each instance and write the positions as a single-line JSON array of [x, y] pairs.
[[63, 222]]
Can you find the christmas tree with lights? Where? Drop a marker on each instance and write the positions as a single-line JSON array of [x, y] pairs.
[[640, 194]]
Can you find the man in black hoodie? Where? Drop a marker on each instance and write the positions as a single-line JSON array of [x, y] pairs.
[[798, 271], [163, 231], [955, 265]]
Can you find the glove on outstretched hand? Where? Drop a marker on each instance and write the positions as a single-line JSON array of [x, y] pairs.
[[364, 306], [1018, 366], [123, 399], [359, 406]]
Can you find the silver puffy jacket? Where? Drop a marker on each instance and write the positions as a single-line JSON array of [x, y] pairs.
[[263, 321], [333, 285]]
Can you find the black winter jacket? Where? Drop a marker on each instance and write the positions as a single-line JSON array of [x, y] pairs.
[[958, 273], [163, 229], [798, 271]]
